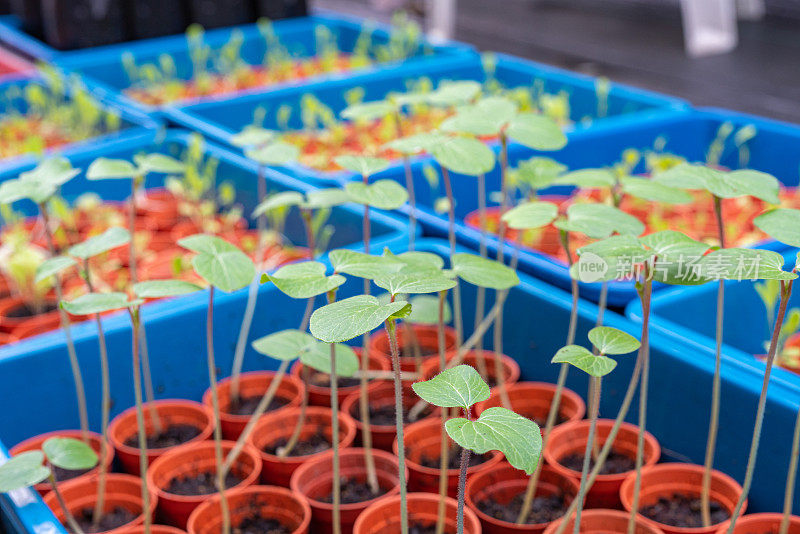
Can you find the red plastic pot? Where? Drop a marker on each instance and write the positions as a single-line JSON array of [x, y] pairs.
[[511, 370], [35, 443], [382, 396], [170, 412], [570, 438], [504, 482], [533, 400], [251, 385], [36, 324], [424, 439], [314, 480], [427, 336], [191, 459], [272, 502], [280, 425], [383, 516], [320, 395], [601, 521], [669, 479], [764, 523], [154, 529], [159, 206], [121, 491]]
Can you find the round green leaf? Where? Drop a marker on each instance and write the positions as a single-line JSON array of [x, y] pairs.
[[781, 224], [595, 365], [744, 264], [278, 153], [23, 470], [536, 131], [39, 184], [53, 266], [539, 172], [284, 199], [92, 303], [483, 272], [219, 263], [458, 387], [156, 289], [464, 155], [425, 310], [518, 438], [69, 453], [383, 194], [345, 319], [610, 340], [305, 279], [400, 283], [530, 215], [654, 191], [110, 239], [318, 357], [105, 168], [363, 165], [454, 93], [588, 178], [364, 265], [253, 136], [285, 345], [599, 221], [326, 198], [160, 163]]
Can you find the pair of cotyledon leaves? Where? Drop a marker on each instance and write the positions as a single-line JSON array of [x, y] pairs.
[[608, 340], [28, 468]]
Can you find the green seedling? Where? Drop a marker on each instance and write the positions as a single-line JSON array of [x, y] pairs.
[[495, 429], [607, 341], [32, 467]]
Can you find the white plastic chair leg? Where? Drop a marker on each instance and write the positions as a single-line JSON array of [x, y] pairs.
[[709, 26]]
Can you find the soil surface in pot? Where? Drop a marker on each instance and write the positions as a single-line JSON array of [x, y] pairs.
[[114, 519], [67, 474], [25, 310], [324, 381], [354, 491], [454, 459], [543, 509], [384, 415], [615, 464], [683, 511], [204, 483], [415, 528], [542, 422], [255, 524], [248, 405], [169, 437], [311, 445]]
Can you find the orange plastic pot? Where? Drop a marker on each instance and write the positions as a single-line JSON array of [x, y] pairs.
[[280, 425], [533, 400], [251, 385], [602, 521], [668, 479], [511, 370], [154, 529], [35, 443], [320, 395], [7, 339], [571, 438], [191, 459], [122, 491], [270, 502], [170, 412], [427, 337], [383, 516], [382, 396], [35, 324], [424, 439], [314, 480], [504, 482], [765, 523], [158, 206]]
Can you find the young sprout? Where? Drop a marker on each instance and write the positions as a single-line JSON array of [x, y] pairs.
[[518, 438], [719, 184], [607, 341], [227, 268], [33, 467], [40, 185]]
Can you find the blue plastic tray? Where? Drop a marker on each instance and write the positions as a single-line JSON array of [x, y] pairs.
[[102, 67], [626, 105], [531, 338], [132, 122]]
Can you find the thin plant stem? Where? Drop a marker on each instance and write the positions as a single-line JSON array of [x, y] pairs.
[[791, 475], [212, 378], [462, 482], [498, 322], [444, 450], [481, 291], [140, 424], [337, 483], [77, 377], [713, 424], [68, 517], [644, 350], [398, 407], [786, 292], [587, 455], [451, 236]]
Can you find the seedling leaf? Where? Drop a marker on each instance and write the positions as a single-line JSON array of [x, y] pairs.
[[610, 340], [318, 357], [536, 131], [464, 155], [458, 387], [483, 272], [69, 453], [160, 163], [219, 263], [284, 199], [156, 289], [52, 266], [363, 265], [252, 136], [92, 303], [599, 221], [383, 194], [326, 198], [595, 365], [530, 215], [345, 319], [23, 470], [588, 178], [399, 283], [279, 153], [305, 279], [363, 165], [106, 168], [744, 264], [781, 224], [654, 191], [110, 239], [425, 310], [285, 345]]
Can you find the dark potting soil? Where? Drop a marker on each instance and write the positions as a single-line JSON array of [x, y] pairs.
[[683, 511], [247, 405], [255, 524], [25, 310], [324, 381], [615, 464], [454, 459], [542, 422], [353, 491], [115, 518], [203, 483], [416, 528], [67, 474], [312, 445], [169, 437], [543, 509], [384, 415]]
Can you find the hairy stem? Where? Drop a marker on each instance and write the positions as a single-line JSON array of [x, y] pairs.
[[398, 407], [788, 497], [587, 455], [68, 517], [104, 417], [337, 483], [451, 236], [480, 297], [462, 482], [444, 450], [140, 424]]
